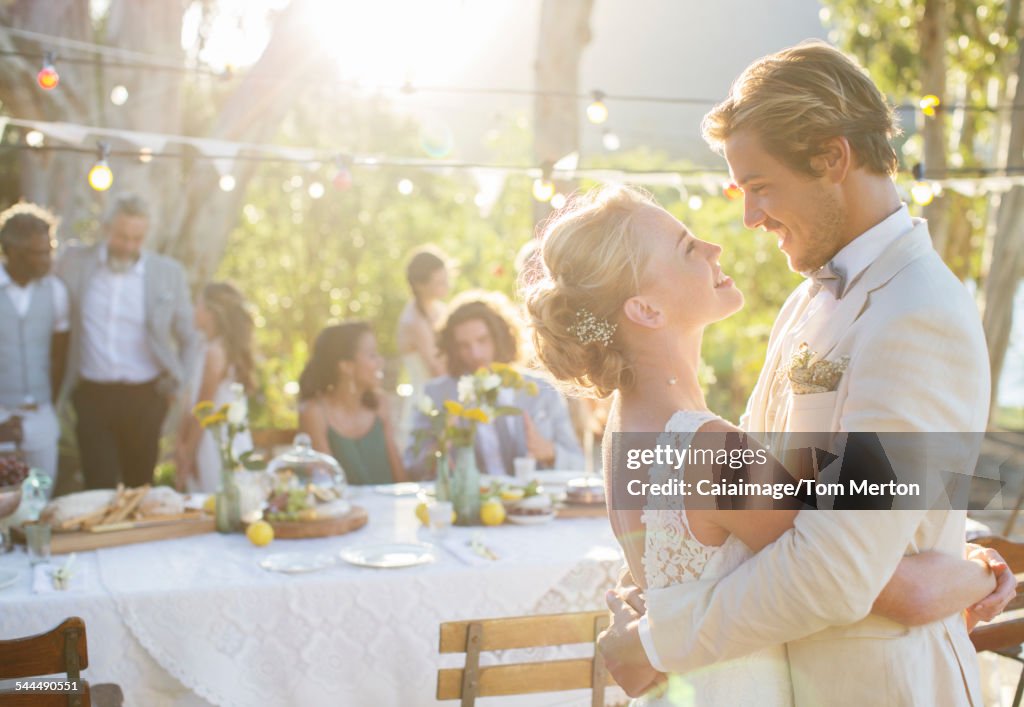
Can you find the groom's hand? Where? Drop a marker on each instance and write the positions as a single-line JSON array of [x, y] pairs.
[[622, 650], [1006, 586]]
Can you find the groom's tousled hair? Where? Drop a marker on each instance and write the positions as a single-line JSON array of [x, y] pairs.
[[797, 99]]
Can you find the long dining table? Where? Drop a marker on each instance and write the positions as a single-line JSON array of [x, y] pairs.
[[199, 621]]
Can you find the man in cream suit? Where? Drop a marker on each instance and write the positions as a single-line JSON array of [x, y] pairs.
[[132, 337], [806, 135]]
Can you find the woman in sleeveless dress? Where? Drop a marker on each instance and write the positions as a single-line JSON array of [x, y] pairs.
[[341, 409], [222, 317], [620, 310], [416, 337]]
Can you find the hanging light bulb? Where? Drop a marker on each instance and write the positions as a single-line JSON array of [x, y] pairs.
[[929, 103], [48, 78], [597, 111], [558, 201], [405, 187], [610, 141], [34, 138], [145, 155], [227, 183], [543, 189], [922, 193], [119, 95], [342, 180], [695, 202], [100, 176], [732, 191], [316, 190]]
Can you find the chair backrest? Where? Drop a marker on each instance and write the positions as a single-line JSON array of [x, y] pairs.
[[269, 438], [62, 650], [472, 637]]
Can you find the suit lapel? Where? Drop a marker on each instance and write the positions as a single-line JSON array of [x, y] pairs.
[[760, 398], [825, 335]]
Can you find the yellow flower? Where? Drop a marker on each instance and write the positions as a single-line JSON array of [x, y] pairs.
[[223, 409], [202, 408], [531, 388], [215, 419], [452, 407], [477, 415], [499, 367]]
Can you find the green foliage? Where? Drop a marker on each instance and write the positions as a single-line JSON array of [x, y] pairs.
[[308, 262]]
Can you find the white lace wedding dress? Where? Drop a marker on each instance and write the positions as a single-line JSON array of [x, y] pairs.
[[672, 555]]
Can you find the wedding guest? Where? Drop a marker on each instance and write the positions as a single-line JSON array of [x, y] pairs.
[[427, 275], [33, 332], [341, 407], [222, 317], [131, 341], [483, 329]]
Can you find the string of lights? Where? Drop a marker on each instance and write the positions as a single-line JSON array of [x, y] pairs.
[[597, 112]]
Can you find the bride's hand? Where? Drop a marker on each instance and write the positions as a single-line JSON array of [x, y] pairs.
[[623, 652], [1006, 586]]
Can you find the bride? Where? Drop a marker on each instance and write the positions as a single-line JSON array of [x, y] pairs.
[[620, 309]]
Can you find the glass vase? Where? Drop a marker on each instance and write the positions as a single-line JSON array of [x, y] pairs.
[[228, 514], [465, 487], [443, 485]]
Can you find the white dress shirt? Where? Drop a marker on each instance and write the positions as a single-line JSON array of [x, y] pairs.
[[115, 348], [21, 298]]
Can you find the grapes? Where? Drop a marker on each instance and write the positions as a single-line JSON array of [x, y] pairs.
[[12, 470]]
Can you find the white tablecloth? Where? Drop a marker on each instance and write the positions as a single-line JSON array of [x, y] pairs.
[[196, 621]]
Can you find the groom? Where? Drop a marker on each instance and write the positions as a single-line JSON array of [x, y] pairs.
[[806, 135]]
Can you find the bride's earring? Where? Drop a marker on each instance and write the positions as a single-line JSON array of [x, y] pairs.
[[672, 381]]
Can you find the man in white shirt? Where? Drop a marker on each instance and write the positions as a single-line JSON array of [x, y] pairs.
[[33, 333], [132, 337]]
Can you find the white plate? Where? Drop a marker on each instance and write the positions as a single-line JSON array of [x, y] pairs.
[[296, 562], [529, 520], [389, 555], [406, 488], [7, 578]]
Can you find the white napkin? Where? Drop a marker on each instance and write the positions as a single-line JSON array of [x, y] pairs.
[[462, 547], [81, 581]]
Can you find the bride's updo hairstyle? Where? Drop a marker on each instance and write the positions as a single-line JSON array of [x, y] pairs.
[[593, 259]]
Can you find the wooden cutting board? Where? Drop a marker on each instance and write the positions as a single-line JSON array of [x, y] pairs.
[[581, 510], [144, 531], [321, 527]]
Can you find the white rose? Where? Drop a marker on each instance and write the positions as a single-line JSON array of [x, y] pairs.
[[238, 412], [237, 390], [467, 389]]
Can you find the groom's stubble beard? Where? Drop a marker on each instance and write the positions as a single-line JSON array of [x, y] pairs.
[[820, 244]]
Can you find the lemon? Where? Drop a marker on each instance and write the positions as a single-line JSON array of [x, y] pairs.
[[512, 495], [260, 533], [210, 504], [492, 512], [423, 513]]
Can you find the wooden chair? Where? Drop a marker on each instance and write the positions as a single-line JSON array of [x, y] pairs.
[[1005, 638], [62, 650], [268, 439], [472, 637]]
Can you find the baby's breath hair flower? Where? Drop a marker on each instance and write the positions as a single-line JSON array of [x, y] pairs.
[[589, 329]]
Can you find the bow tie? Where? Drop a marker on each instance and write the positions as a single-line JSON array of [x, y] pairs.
[[830, 277]]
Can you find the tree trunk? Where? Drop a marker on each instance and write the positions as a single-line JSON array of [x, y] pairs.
[[933, 31], [563, 35], [1007, 261]]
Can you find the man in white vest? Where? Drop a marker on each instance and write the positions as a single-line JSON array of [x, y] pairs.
[[33, 332], [806, 135]]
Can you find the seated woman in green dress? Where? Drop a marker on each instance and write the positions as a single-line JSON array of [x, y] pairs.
[[341, 409]]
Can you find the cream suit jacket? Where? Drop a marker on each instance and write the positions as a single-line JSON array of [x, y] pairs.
[[918, 362]]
